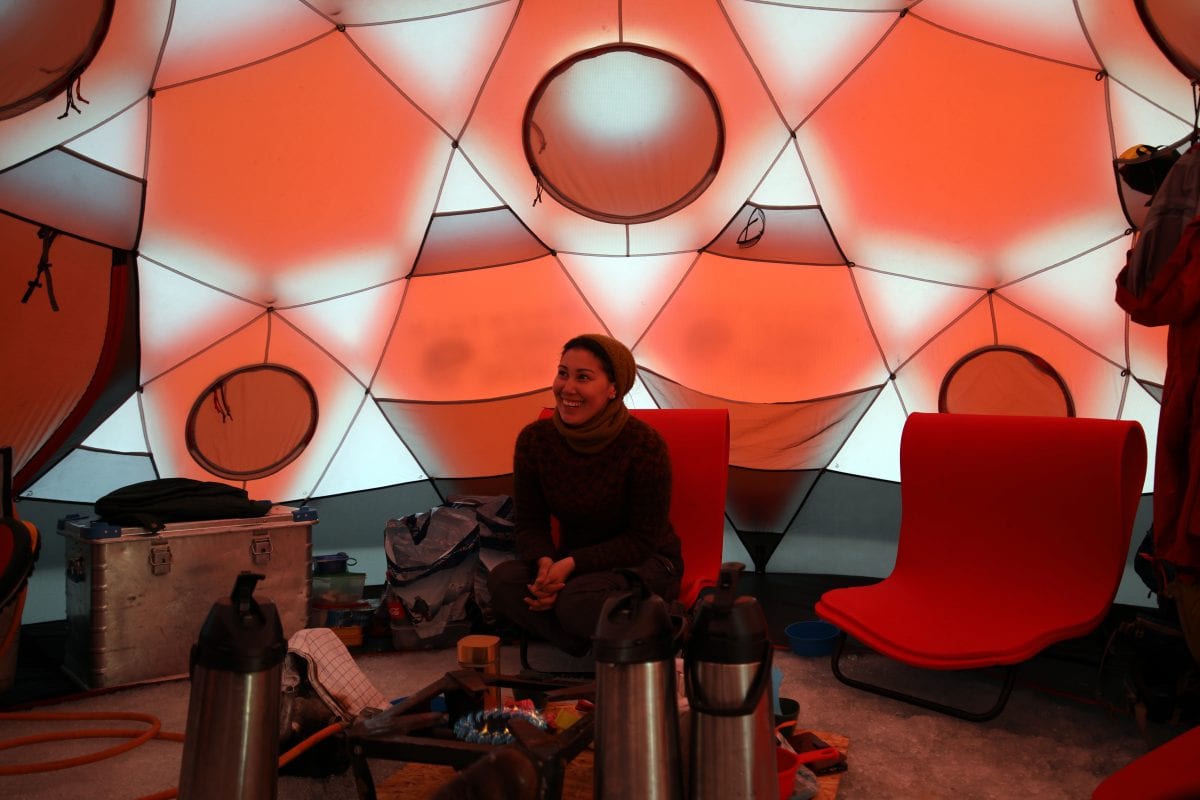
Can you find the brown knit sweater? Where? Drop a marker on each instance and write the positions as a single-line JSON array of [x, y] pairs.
[[611, 506]]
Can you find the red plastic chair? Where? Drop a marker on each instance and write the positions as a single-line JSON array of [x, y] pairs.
[[698, 443], [1170, 771], [1014, 535]]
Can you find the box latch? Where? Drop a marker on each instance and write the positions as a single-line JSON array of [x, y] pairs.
[[260, 549], [160, 559]]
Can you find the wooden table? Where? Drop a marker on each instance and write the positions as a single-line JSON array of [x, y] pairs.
[[422, 780]]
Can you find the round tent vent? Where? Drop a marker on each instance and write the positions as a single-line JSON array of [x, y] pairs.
[[1005, 380], [624, 134], [252, 422], [45, 45], [1175, 27]]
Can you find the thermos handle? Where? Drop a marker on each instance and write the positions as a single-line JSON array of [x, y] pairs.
[[701, 704]]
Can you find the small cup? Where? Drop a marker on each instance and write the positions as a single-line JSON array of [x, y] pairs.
[[789, 709]]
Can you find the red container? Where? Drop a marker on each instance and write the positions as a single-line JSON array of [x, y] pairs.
[[786, 764]]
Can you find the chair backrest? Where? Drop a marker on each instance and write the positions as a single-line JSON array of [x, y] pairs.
[[1022, 506], [698, 442]]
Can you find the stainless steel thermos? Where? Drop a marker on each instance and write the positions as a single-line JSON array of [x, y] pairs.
[[637, 715], [231, 745], [727, 674]]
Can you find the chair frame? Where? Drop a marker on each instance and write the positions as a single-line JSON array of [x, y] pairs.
[[1009, 681], [1081, 480]]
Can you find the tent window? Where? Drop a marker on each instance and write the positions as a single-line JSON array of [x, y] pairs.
[[1005, 380], [1173, 24], [45, 45], [252, 422], [623, 134]]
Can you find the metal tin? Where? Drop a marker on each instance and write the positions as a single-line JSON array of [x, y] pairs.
[[136, 602]]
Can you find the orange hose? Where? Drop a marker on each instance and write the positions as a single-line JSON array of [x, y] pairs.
[[284, 760], [137, 737], [319, 736]]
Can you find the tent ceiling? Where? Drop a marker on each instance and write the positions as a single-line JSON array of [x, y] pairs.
[[808, 215]]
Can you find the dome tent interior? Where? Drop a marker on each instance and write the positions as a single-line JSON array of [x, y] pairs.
[[329, 251]]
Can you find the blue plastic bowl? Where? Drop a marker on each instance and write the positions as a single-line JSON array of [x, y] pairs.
[[811, 637]]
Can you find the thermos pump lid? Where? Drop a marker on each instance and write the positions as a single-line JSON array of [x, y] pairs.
[[240, 634], [728, 629], [635, 627]]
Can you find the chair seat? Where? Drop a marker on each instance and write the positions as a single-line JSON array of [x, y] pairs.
[[916, 627], [1170, 771]]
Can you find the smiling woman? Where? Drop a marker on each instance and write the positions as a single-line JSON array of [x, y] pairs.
[[605, 477]]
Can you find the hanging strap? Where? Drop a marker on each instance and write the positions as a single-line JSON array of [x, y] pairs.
[[47, 235]]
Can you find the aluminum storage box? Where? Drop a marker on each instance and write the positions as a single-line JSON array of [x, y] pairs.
[[136, 601]]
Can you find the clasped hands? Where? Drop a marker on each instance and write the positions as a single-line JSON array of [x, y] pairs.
[[551, 578]]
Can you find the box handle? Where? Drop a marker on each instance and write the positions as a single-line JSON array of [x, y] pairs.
[[160, 559], [260, 549]]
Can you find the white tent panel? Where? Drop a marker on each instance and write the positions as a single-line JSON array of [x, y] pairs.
[[1141, 406], [180, 316], [906, 313], [787, 183], [227, 172], [762, 332], [67, 193], [115, 80], [211, 36], [1003, 124], [353, 328], [1041, 247], [873, 449], [627, 293], [433, 58], [483, 333], [1135, 120], [122, 432], [370, 457], [464, 189], [119, 142], [639, 396], [1070, 298], [1047, 28], [86, 475], [803, 54]]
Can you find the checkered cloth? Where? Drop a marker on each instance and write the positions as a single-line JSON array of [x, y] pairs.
[[333, 673]]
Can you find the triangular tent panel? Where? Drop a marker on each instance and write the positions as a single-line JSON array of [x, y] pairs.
[[382, 220]]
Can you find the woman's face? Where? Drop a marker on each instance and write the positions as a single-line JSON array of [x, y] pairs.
[[581, 388]]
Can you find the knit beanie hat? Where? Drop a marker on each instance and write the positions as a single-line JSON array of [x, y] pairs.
[[624, 367]]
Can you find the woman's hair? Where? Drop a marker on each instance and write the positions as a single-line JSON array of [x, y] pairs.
[[593, 347]]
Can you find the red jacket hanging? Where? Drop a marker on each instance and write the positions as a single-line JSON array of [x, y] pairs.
[[1172, 298]]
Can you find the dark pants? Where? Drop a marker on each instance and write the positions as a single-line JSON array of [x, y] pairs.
[[569, 625]]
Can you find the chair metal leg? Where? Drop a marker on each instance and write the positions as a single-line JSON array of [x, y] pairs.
[[1010, 679]]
